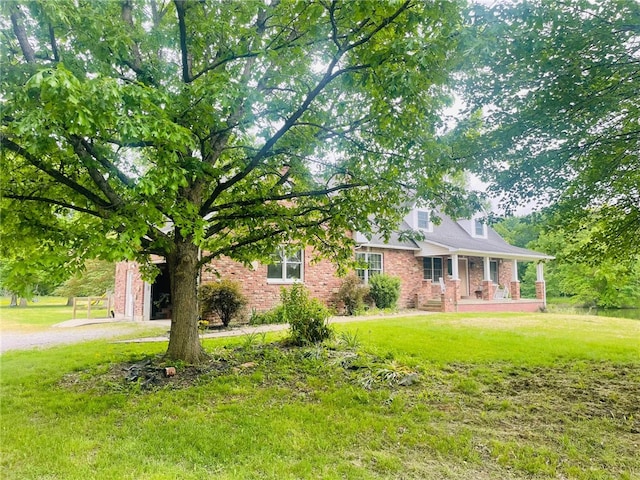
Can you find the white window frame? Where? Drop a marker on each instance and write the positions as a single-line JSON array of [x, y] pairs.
[[284, 256], [433, 278], [474, 228], [429, 226], [364, 274]]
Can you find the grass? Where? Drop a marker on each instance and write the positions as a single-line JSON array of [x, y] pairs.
[[41, 314], [500, 396]]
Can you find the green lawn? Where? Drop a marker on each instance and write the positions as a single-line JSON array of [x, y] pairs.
[[498, 397], [42, 313]]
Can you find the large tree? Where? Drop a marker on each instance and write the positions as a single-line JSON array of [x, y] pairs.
[[555, 86], [195, 129]]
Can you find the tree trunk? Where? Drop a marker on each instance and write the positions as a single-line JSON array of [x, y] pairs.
[[14, 300], [69, 301], [23, 302], [184, 339]]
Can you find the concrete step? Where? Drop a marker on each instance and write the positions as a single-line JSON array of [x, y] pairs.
[[432, 306]]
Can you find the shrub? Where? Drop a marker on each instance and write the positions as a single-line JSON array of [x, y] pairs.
[[223, 299], [307, 317], [352, 293], [385, 290], [269, 317]]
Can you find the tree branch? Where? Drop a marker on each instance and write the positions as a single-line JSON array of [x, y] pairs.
[[387, 21], [54, 44], [17, 18], [311, 96], [272, 141], [39, 164], [255, 239], [288, 196], [86, 158], [108, 165], [181, 7], [50, 201]]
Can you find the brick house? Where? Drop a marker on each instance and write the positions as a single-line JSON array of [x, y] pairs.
[[457, 266]]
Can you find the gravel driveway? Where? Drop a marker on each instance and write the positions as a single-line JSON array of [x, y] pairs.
[[73, 332]]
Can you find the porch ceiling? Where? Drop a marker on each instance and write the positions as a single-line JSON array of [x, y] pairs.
[[430, 249]]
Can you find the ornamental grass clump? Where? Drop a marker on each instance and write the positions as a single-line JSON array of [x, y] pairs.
[[223, 299], [385, 290], [307, 317]]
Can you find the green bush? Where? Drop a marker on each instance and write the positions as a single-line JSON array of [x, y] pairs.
[[223, 299], [352, 293], [266, 318], [385, 290], [307, 317]]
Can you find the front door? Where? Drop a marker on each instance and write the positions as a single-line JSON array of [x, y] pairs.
[[463, 274]]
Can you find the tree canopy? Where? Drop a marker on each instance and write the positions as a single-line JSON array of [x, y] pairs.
[[195, 129], [554, 86]]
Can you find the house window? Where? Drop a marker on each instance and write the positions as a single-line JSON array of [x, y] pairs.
[[374, 261], [424, 222], [493, 271], [432, 268], [480, 229], [286, 266]]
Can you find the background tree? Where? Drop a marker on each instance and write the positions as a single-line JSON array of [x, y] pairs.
[[582, 281], [554, 86], [23, 278], [29, 267], [195, 129], [96, 278]]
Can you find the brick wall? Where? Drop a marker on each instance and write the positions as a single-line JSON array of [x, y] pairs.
[[476, 272], [319, 277], [123, 270], [405, 265], [263, 294]]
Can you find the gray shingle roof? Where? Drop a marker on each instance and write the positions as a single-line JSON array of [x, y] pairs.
[[451, 236], [394, 240]]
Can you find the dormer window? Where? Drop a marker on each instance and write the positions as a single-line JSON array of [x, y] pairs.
[[479, 229], [424, 220]]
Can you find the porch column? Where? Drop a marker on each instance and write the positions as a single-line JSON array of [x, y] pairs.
[[487, 268], [455, 275], [515, 283], [541, 290], [487, 284]]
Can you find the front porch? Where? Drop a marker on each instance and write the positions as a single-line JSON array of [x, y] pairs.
[[474, 305], [476, 284]]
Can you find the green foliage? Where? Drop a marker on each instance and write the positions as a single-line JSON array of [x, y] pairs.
[[223, 299], [385, 290], [573, 398], [352, 294], [266, 318], [555, 84], [307, 317], [599, 281], [96, 278], [140, 128]]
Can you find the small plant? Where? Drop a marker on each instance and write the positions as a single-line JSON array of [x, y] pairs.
[[350, 339], [266, 318], [252, 339], [352, 293], [385, 290], [307, 317], [223, 299]]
